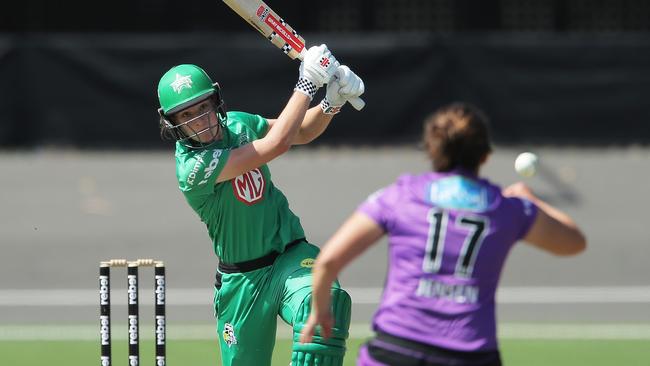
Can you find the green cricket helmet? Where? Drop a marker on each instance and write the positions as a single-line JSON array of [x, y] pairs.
[[181, 87]]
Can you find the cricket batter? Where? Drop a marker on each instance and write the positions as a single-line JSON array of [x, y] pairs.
[[449, 233], [264, 259]]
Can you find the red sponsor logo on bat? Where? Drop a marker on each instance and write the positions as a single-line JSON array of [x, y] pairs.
[[262, 12], [284, 33]]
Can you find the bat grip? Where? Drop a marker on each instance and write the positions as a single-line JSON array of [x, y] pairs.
[[357, 103]]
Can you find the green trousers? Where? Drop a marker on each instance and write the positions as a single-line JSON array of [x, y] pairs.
[[247, 305]]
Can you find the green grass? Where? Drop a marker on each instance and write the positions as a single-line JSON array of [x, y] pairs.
[[197, 353]]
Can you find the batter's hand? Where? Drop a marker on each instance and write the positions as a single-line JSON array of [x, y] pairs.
[[345, 85], [326, 321], [318, 65]]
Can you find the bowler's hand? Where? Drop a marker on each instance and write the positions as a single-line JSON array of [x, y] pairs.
[[519, 189], [325, 321]]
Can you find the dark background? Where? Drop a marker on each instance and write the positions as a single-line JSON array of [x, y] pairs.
[[577, 72]]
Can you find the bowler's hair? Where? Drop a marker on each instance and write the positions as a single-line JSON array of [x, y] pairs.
[[457, 136]]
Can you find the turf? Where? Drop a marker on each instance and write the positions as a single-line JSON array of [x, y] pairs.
[[197, 353]]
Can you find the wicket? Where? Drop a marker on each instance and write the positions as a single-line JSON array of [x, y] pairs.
[[133, 309]]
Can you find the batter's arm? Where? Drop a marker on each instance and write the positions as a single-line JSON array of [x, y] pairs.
[[276, 142], [312, 126], [343, 88], [318, 66]]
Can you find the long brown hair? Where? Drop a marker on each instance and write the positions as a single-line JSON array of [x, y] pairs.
[[456, 136]]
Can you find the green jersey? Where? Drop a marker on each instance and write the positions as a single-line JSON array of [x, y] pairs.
[[247, 217]]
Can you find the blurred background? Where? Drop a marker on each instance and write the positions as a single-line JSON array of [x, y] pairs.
[[85, 177], [84, 74]]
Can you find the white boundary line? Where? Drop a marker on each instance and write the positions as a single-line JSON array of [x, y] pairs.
[[207, 332], [360, 296]]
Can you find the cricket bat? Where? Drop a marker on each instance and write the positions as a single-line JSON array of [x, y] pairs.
[[276, 30]]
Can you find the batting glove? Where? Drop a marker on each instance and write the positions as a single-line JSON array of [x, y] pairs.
[[316, 69], [344, 86]]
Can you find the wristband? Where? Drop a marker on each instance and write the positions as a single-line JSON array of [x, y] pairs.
[[306, 87], [328, 108]]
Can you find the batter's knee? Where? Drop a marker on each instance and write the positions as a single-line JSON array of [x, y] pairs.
[[323, 351]]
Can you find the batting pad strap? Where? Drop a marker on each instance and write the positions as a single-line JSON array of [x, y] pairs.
[[306, 87], [334, 345], [334, 348], [328, 108], [337, 337]]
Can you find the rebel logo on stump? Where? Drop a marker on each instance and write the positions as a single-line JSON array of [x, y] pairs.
[[249, 187]]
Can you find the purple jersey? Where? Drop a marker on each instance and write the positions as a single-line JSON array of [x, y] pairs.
[[449, 235]]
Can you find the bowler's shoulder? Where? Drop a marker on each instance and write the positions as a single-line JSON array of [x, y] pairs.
[[407, 178], [405, 184], [416, 179]]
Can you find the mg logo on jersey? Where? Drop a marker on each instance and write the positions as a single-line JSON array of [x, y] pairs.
[[249, 187]]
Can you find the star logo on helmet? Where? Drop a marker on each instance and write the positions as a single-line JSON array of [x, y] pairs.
[[181, 82]]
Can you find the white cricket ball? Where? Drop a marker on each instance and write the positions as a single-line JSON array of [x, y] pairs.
[[526, 164]]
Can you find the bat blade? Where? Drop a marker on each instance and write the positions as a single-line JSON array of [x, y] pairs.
[[270, 25], [261, 17]]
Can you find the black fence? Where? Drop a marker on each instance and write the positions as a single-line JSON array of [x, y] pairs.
[[99, 90], [332, 16]]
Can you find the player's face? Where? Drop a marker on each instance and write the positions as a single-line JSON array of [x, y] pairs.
[[199, 122]]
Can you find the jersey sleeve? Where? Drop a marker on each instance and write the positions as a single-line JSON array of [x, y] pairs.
[[526, 212], [380, 206], [197, 172], [258, 124]]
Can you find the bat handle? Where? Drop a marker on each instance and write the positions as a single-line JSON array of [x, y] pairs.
[[357, 103]]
